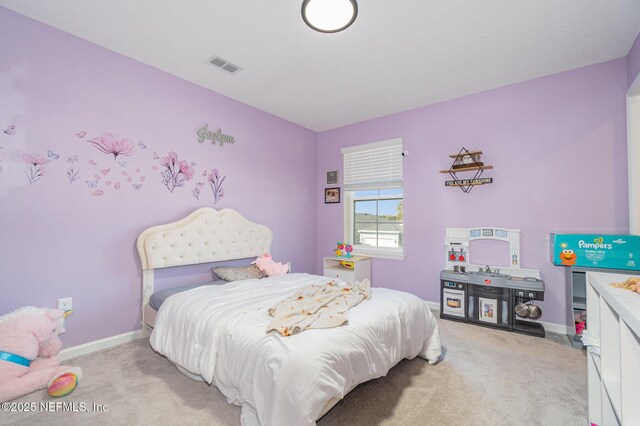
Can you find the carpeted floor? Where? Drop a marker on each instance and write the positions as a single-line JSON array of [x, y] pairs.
[[485, 377]]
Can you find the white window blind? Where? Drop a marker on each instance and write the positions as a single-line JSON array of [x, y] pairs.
[[375, 165]]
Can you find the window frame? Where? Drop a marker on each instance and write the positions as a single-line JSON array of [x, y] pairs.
[[349, 227]]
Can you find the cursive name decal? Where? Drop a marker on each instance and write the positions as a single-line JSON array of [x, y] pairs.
[[218, 136]]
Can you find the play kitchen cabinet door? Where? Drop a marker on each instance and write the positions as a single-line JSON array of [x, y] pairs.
[[613, 350], [334, 267], [489, 306]]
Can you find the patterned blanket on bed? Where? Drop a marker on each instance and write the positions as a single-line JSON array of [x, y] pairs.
[[317, 306]]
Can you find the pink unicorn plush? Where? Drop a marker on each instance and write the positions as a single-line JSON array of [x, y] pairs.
[[266, 264], [29, 343]]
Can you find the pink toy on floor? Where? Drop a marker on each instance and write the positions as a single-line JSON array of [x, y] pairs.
[[266, 264], [29, 343]]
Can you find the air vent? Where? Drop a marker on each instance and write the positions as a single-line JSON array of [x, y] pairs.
[[224, 65]]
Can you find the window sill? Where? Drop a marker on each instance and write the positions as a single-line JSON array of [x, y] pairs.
[[379, 254]]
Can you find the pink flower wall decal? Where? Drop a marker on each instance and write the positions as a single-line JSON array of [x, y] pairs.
[[36, 169], [72, 175], [34, 159], [175, 172], [109, 143], [186, 169], [215, 181], [196, 192]]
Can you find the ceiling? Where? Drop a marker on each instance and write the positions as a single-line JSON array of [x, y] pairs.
[[398, 55]]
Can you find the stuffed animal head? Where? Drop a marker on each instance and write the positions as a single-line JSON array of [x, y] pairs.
[[263, 260], [31, 332], [266, 264]]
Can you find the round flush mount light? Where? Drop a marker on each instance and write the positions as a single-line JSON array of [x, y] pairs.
[[329, 16]]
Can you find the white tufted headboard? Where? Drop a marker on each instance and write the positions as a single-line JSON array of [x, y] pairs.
[[206, 235]]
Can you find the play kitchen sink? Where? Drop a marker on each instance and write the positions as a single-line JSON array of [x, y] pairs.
[[502, 297], [488, 278]]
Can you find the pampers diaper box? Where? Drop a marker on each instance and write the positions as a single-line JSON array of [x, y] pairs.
[[596, 251]]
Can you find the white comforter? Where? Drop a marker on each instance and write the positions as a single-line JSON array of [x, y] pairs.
[[219, 332]]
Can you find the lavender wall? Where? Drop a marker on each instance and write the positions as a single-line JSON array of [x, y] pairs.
[[58, 240], [558, 146], [633, 61]]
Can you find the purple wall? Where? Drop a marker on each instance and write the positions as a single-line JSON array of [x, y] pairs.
[[558, 145], [633, 61], [58, 240]]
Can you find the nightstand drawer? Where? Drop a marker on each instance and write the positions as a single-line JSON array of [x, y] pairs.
[[343, 275]]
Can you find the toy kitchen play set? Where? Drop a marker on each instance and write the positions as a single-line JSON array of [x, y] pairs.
[[492, 296]]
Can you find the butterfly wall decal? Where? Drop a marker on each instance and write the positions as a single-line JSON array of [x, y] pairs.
[[156, 156], [52, 155], [91, 183], [81, 134], [73, 159], [93, 163], [122, 163], [10, 130], [136, 186], [141, 145]]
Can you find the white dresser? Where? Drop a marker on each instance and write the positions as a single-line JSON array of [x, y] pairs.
[[361, 268], [613, 323]]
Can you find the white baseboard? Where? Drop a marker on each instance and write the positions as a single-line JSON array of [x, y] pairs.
[[434, 306], [548, 326], [557, 328], [98, 345]]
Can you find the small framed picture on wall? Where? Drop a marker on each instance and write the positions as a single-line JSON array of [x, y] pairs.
[[332, 177], [331, 195]]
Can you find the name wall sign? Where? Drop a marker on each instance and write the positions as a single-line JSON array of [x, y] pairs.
[[205, 134]]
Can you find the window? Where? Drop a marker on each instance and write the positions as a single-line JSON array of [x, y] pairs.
[[373, 198]]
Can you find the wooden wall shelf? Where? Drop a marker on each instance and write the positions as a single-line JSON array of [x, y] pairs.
[[467, 161], [466, 169]]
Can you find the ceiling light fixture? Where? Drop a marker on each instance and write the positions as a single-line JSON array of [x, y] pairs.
[[329, 16]]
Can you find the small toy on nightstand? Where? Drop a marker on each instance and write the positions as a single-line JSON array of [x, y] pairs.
[[343, 250]]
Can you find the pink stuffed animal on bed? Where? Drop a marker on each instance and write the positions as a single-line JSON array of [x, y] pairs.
[[266, 264], [29, 343]]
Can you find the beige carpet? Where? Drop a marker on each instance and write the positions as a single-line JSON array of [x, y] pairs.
[[486, 377]]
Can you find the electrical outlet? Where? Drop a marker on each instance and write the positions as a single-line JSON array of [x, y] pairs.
[[65, 304]]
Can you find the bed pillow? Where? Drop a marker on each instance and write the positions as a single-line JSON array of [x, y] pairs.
[[237, 273]]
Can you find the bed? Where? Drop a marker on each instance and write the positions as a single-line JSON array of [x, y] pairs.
[[217, 333]]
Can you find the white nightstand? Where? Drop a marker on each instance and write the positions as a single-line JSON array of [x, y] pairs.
[[361, 268]]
